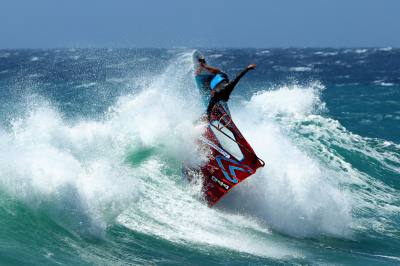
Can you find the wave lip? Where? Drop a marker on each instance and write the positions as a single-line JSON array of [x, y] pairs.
[[292, 100]]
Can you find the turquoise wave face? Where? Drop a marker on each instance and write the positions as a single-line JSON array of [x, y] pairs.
[[92, 143]]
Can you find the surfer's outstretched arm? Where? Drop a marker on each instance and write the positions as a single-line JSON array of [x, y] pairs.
[[231, 85], [222, 94]]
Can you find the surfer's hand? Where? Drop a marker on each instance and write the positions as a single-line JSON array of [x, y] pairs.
[[251, 67]]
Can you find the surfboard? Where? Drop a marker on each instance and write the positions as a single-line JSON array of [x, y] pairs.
[[231, 159]]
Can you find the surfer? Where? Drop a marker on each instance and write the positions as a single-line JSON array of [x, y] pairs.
[[231, 158], [221, 87], [214, 84]]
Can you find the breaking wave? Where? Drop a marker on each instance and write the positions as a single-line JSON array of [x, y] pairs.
[[125, 168]]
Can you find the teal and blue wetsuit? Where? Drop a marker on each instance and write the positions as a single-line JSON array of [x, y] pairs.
[[203, 83]]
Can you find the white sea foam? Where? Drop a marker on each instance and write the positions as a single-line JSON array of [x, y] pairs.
[[46, 161], [74, 57], [291, 99], [5, 55], [215, 56], [82, 166], [387, 84], [263, 52], [361, 51], [294, 193], [83, 169], [300, 69], [386, 49], [302, 174], [86, 85], [326, 53], [143, 59], [383, 83], [36, 75]]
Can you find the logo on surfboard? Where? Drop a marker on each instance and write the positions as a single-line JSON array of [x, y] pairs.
[[230, 175]]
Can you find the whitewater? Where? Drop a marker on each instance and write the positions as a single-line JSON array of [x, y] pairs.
[[89, 183]]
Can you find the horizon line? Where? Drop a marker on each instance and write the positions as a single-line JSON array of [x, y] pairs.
[[198, 47]]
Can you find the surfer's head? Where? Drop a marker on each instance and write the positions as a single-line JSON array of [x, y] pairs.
[[200, 58], [218, 79]]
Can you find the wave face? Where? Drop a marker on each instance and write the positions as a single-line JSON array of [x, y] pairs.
[[92, 143]]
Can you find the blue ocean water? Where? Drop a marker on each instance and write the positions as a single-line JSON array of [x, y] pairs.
[[92, 143]]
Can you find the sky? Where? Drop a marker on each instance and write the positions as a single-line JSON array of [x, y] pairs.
[[206, 23]]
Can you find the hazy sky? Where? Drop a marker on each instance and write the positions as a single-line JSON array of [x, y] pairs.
[[193, 23]]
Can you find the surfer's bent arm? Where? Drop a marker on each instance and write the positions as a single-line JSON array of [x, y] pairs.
[[212, 70]]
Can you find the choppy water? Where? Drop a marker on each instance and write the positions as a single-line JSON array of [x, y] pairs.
[[92, 142]]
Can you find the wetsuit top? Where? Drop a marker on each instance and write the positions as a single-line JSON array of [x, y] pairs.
[[203, 83], [222, 93]]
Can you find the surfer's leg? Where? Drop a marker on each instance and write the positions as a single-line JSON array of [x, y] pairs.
[[211, 105], [225, 106]]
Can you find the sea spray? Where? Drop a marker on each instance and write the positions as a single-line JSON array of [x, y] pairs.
[[90, 170]]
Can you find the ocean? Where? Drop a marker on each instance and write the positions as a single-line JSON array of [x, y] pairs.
[[92, 143]]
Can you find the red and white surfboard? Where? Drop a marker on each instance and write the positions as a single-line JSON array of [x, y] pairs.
[[231, 158]]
